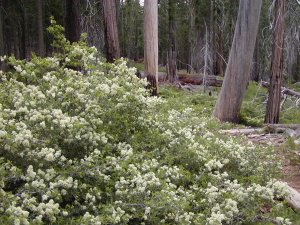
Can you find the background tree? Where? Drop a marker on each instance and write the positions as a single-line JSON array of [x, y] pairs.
[[273, 104], [41, 45], [254, 72], [219, 29], [172, 54], [238, 68], [2, 52], [110, 30], [24, 26], [151, 44], [92, 23], [292, 40], [72, 20]]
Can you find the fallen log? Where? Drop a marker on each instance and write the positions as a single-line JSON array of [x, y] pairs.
[[293, 198], [267, 128], [194, 79], [243, 131], [198, 79], [284, 90], [282, 126]]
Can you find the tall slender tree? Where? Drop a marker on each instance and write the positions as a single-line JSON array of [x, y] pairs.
[[41, 43], [254, 74], [2, 51], [151, 44], [1, 29], [240, 58], [110, 30], [219, 51], [172, 54], [273, 104], [72, 20]]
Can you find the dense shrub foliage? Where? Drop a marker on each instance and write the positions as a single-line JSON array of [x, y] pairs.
[[82, 142]]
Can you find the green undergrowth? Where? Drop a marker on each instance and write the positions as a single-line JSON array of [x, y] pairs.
[[252, 114], [253, 108], [91, 146], [252, 111], [202, 103]]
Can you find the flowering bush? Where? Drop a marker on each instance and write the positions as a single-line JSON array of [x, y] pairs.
[[89, 146]]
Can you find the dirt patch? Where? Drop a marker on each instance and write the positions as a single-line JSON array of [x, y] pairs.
[[290, 157], [291, 169], [290, 154]]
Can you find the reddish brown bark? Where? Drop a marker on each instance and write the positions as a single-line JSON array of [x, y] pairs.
[[110, 30], [273, 104]]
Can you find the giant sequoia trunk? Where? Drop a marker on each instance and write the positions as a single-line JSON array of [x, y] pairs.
[[273, 104], [172, 55], [238, 68], [72, 20], [41, 43], [110, 30], [151, 44]]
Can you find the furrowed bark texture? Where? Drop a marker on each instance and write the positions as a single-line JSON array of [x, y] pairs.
[[110, 30], [273, 104], [240, 58]]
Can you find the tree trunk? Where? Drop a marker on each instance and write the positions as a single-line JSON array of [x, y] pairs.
[[172, 54], [254, 69], [191, 37], [72, 20], [219, 54], [212, 37], [292, 54], [137, 33], [41, 43], [23, 44], [273, 104], [130, 25], [2, 49], [151, 44], [296, 76], [120, 23], [219, 46], [238, 69], [110, 30]]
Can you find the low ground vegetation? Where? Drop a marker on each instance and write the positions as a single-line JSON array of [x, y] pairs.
[[82, 142]]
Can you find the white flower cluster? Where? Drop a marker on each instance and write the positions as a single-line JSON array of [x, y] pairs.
[[91, 145]]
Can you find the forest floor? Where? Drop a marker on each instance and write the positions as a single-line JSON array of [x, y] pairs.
[[289, 153], [252, 115], [292, 173]]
